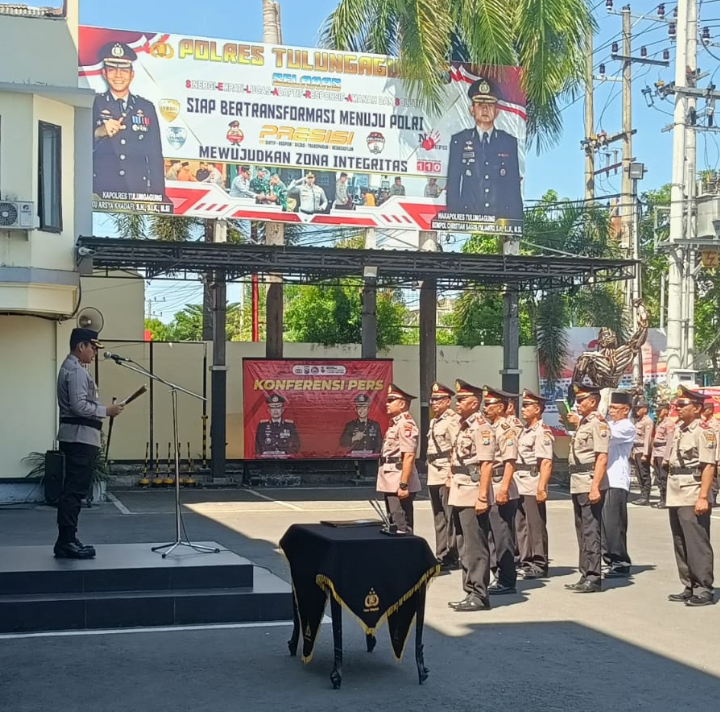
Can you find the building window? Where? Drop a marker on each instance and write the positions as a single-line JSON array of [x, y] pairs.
[[50, 177]]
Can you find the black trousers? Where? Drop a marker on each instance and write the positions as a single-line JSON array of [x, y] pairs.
[[502, 534], [661, 476], [79, 463], [588, 518], [471, 533], [401, 511], [614, 528], [445, 546], [693, 550], [642, 472], [531, 532]]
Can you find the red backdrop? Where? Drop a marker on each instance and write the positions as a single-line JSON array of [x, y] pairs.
[[319, 400]]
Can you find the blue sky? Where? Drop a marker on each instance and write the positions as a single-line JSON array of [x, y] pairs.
[[560, 168]]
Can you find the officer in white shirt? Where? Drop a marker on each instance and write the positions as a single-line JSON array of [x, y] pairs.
[[616, 561]]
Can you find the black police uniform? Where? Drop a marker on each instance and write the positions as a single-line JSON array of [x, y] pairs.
[[132, 160], [276, 437], [372, 436], [483, 170]]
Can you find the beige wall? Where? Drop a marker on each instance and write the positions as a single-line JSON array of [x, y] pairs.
[[28, 356], [29, 40], [31, 351]]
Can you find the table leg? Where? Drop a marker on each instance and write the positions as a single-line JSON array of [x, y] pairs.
[[336, 612], [294, 639], [370, 641], [419, 622]]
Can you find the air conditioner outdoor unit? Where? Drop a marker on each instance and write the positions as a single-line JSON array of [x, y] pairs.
[[17, 215]]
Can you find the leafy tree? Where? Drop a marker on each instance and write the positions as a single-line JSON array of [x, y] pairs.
[[187, 325], [332, 314], [546, 39]]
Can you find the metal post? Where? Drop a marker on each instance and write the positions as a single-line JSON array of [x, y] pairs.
[[511, 328], [428, 339], [626, 200], [207, 317], [274, 235], [691, 187], [677, 194], [218, 378], [369, 305], [589, 119]]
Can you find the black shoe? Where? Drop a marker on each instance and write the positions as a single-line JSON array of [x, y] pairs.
[[88, 547], [71, 550], [680, 597], [473, 603], [447, 566], [575, 586], [455, 604], [617, 572], [588, 587], [659, 505], [641, 502], [705, 599], [499, 589]]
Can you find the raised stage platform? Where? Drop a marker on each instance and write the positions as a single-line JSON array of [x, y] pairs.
[[127, 585]]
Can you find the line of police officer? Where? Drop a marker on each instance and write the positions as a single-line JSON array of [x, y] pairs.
[[483, 470], [488, 476]]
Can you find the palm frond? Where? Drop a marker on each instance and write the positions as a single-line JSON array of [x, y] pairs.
[[130, 225], [551, 336]]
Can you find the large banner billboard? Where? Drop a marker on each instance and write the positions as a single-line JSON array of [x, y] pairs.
[[225, 129], [309, 409]]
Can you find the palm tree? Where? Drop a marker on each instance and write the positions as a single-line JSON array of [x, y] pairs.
[[556, 228], [546, 39]]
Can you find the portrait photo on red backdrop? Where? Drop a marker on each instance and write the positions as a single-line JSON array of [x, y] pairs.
[[314, 409]]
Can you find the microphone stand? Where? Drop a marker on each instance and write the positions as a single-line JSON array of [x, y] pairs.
[[174, 390]]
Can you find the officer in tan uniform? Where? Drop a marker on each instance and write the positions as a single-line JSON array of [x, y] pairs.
[[691, 457], [397, 475], [642, 452], [505, 497], [588, 465], [470, 492], [443, 431], [662, 435], [532, 475]]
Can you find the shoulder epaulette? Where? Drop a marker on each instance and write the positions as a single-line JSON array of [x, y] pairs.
[[704, 425], [546, 427], [289, 421], [264, 421]]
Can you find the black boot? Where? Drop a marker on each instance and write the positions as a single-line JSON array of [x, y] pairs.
[[73, 550]]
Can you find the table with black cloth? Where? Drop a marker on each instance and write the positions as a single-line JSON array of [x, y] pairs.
[[376, 577]]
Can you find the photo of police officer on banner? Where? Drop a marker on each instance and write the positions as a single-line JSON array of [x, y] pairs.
[[483, 167]]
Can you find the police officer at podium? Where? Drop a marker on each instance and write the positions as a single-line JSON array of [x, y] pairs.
[[276, 437], [81, 416], [127, 148], [691, 458]]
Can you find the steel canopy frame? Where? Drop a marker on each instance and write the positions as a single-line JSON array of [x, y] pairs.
[[451, 270]]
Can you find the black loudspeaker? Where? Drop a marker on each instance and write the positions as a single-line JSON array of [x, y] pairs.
[[54, 476]]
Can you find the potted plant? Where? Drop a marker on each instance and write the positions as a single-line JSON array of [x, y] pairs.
[[100, 474]]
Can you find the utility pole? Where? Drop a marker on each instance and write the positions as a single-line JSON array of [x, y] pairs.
[[589, 119], [428, 339], [218, 370], [677, 194], [626, 199]]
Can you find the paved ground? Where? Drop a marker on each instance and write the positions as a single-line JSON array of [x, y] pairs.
[[542, 650]]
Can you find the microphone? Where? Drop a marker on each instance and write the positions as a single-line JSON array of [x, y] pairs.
[[116, 358]]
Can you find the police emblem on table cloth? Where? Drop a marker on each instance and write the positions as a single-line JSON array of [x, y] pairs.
[[372, 602]]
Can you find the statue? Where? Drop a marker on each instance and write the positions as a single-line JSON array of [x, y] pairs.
[[606, 366]]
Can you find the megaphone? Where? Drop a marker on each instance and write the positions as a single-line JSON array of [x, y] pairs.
[[90, 318]]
